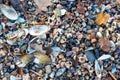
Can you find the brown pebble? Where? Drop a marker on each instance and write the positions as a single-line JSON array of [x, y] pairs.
[[61, 56], [93, 40]]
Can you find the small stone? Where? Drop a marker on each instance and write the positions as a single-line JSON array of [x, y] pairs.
[[68, 53], [48, 69], [52, 75], [61, 56], [63, 11], [56, 51], [93, 40], [99, 35], [90, 56], [60, 72]]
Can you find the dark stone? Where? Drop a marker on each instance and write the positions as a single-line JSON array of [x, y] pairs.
[[90, 56]]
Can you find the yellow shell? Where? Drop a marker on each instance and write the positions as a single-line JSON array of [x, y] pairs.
[[43, 58], [102, 18]]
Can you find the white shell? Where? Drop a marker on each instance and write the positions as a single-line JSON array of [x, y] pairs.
[[38, 30], [63, 11], [97, 69], [22, 32], [11, 42], [9, 12], [104, 57]]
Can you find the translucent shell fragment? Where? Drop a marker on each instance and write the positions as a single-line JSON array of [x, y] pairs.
[[102, 18]]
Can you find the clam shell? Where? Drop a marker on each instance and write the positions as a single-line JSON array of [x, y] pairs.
[[38, 30], [9, 12]]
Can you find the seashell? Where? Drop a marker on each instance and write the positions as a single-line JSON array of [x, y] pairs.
[[113, 69], [97, 69], [13, 77], [56, 51], [103, 57], [12, 41], [30, 50], [38, 30], [99, 34], [12, 35], [52, 74], [63, 11], [60, 72], [43, 36], [112, 46], [48, 69], [24, 60], [117, 43], [102, 18], [21, 20], [22, 33], [57, 12], [104, 44], [2, 52], [9, 12], [37, 47], [90, 56], [42, 58], [90, 48]]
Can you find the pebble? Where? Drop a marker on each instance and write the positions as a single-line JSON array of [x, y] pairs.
[[48, 69], [60, 72], [56, 51], [52, 75]]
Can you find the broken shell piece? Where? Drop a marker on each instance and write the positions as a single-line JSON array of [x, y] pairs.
[[42, 58], [43, 36], [9, 12], [63, 11], [104, 44], [22, 33], [24, 60], [37, 47], [104, 57], [99, 34], [112, 45], [12, 41], [12, 35], [38, 30], [56, 51], [97, 69]]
